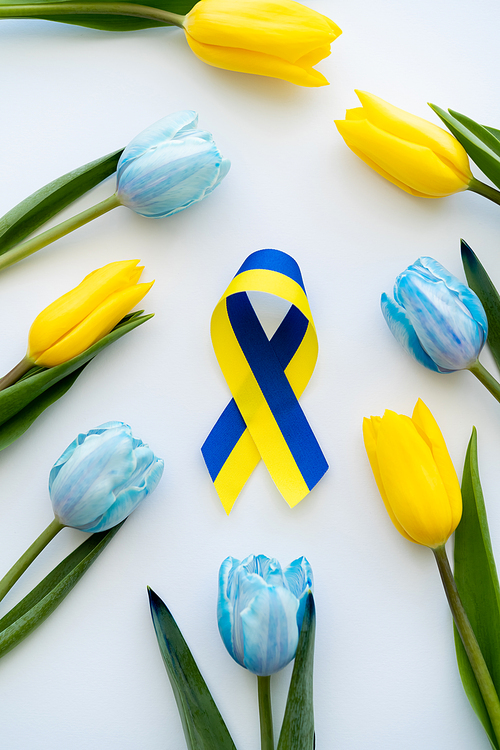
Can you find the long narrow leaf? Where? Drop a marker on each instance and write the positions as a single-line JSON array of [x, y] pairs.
[[19, 423], [481, 284], [19, 395], [43, 600], [45, 203], [479, 142], [477, 583], [107, 22], [297, 731], [204, 727]]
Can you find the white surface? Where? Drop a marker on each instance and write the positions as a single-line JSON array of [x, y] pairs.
[[385, 674]]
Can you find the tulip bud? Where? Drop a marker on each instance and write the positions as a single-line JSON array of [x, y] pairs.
[[84, 315], [283, 39], [169, 166], [412, 153], [435, 317], [414, 474], [102, 477], [260, 610]]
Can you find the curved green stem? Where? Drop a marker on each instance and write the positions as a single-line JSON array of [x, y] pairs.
[[45, 238], [469, 640], [16, 373], [476, 186], [486, 379], [31, 553], [265, 713], [69, 8]]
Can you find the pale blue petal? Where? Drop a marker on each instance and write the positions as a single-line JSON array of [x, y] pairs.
[[172, 126], [443, 324], [86, 486], [128, 499], [403, 331], [169, 166], [465, 293], [225, 616], [270, 632], [102, 477]]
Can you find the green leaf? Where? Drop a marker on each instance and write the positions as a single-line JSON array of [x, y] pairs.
[[19, 423], [480, 143], [44, 598], [104, 21], [481, 284], [477, 583], [204, 727], [41, 206], [297, 731], [16, 397]]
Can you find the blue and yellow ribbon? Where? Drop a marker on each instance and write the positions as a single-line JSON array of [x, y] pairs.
[[266, 378]]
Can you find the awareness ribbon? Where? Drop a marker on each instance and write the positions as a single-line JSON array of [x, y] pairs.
[[266, 378]]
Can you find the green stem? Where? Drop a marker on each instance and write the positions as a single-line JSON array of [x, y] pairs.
[[45, 238], [469, 640], [486, 379], [265, 713], [16, 373], [69, 8], [31, 553], [476, 186]]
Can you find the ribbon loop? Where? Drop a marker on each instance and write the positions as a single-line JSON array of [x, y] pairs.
[[266, 378]]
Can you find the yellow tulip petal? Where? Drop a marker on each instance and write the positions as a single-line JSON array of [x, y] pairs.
[[314, 57], [415, 166], [68, 311], [412, 481], [281, 28], [244, 61], [356, 113], [387, 176], [96, 325], [416, 130], [370, 431], [428, 428]]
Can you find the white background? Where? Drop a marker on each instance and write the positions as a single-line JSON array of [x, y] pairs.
[[385, 674]]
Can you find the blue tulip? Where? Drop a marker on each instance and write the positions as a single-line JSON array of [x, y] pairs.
[[260, 610], [102, 477], [435, 317], [169, 166]]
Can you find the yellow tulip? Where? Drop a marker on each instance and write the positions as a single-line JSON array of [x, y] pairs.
[[278, 38], [412, 153], [414, 474], [84, 315]]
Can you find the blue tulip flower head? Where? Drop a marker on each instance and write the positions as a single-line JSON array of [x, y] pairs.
[[102, 477], [169, 166], [436, 318], [260, 610]]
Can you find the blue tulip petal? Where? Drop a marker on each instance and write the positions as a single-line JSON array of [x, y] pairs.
[[128, 499], [169, 166], [403, 331], [102, 477], [171, 178], [443, 324], [79, 440], [468, 297], [270, 632], [86, 486], [160, 132], [225, 615]]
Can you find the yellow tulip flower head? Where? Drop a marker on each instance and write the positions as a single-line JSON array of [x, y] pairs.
[[414, 474], [278, 38], [412, 153], [84, 315]]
